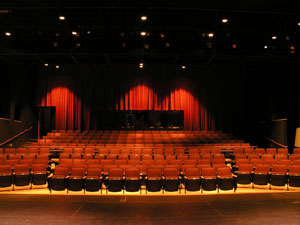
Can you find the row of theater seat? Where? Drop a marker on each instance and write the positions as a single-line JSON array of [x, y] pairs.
[[170, 179], [23, 174], [148, 150]]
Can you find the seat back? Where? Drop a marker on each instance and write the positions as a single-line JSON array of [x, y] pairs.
[[192, 172], [245, 168], [262, 168], [132, 173], [208, 172], [116, 173], [5, 169], [170, 172], [93, 172], [294, 170], [75, 171], [61, 171], [224, 171], [21, 168], [279, 169], [38, 168], [154, 173]]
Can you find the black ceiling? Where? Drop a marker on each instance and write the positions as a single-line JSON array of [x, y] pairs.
[[38, 36]]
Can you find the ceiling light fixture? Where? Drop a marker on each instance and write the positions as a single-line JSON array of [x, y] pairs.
[[144, 18], [143, 33], [210, 35], [57, 66], [224, 20], [234, 46], [183, 67], [46, 64], [292, 47], [274, 37], [8, 34], [74, 33], [266, 46], [162, 35], [61, 18], [167, 44], [141, 65], [299, 24]]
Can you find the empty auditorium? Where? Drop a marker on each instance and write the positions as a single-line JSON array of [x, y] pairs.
[[157, 112]]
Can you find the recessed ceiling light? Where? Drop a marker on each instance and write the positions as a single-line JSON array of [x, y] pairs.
[[8, 34], [88, 32], [224, 20], [46, 64], [141, 65], [124, 45], [183, 67], [146, 46], [292, 47], [74, 33], [299, 24], [61, 17], [57, 66], [266, 46], [287, 38], [144, 18], [167, 44], [274, 37], [143, 33], [234, 46], [162, 35], [210, 35], [77, 45]]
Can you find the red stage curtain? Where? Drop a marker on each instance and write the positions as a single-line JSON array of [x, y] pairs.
[[78, 95]]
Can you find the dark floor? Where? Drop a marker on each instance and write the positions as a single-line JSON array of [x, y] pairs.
[[276, 208]]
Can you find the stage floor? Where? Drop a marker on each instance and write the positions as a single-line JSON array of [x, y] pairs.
[[255, 206]]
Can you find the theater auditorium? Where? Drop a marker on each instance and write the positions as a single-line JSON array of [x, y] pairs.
[[149, 112]]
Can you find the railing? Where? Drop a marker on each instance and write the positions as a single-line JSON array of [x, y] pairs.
[[16, 136], [275, 142]]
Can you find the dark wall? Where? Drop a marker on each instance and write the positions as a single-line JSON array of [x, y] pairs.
[[272, 94], [17, 91], [248, 94]]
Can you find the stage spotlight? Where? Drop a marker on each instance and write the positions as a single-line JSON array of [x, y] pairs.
[[8, 34], [234, 46], [167, 44], [183, 67], [61, 18], [46, 64], [266, 46], [274, 37], [141, 65], [210, 35], [144, 18], [224, 20], [162, 35], [292, 47], [299, 24], [146, 46], [57, 66], [143, 33], [287, 38], [88, 32]]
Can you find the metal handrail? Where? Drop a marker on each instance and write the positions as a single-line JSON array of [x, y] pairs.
[[16, 136], [275, 142]]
